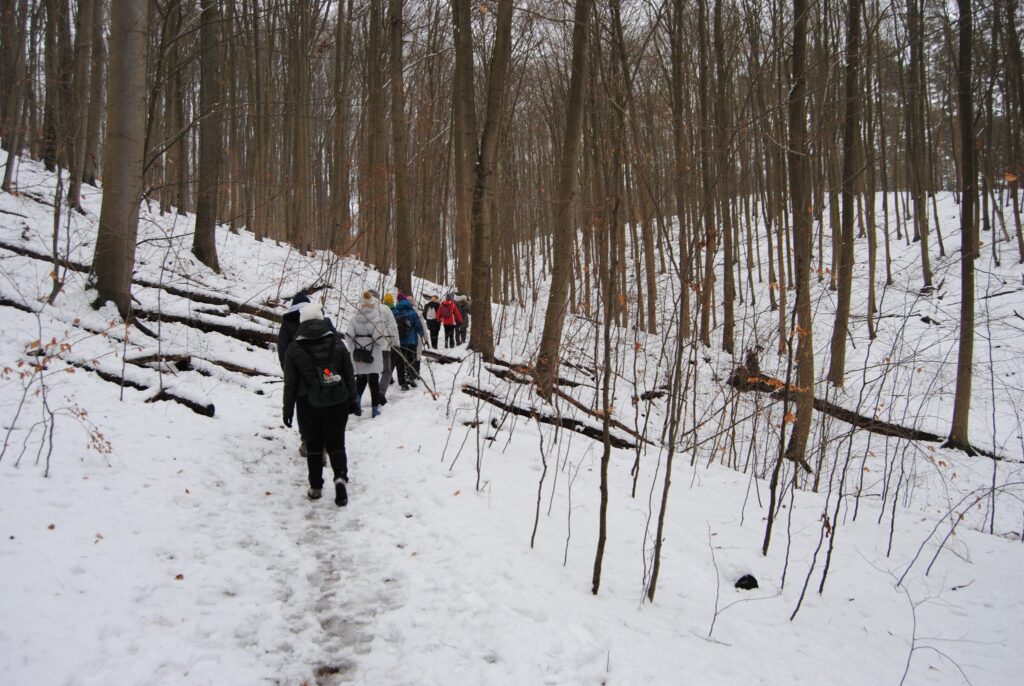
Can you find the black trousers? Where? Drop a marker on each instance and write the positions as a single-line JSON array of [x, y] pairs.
[[385, 375], [323, 428], [434, 326], [460, 334], [449, 335], [406, 364], [373, 380]]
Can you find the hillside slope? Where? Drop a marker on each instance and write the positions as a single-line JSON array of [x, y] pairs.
[[144, 541]]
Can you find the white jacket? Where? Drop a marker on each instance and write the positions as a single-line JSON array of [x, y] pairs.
[[388, 317]]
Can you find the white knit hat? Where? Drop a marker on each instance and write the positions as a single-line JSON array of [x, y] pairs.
[[311, 311]]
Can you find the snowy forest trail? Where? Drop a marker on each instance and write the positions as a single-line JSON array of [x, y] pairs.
[[158, 542]]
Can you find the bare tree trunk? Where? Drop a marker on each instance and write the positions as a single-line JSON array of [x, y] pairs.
[[204, 242], [802, 238], [124, 154], [851, 127], [958, 435], [706, 200], [565, 228], [464, 125], [341, 189], [77, 109], [97, 81], [916, 123], [724, 182], [405, 244], [13, 104], [482, 336]]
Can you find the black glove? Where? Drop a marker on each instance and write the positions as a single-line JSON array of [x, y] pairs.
[[288, 420]]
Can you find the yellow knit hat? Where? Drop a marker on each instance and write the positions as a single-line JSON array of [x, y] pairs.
[[389, 300]]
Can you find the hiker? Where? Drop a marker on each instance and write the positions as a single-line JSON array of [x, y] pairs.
[[319, 382], [410, 330], [391, 332], [389, 301], [450, 317], [367, 337], [419, 339], [462, 303], [289, 326], [433, 323]]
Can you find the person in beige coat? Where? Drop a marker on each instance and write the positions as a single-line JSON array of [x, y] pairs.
[[391, 332], [367, 340]]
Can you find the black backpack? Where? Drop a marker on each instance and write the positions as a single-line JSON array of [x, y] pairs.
[[404, 325], [327, 388]]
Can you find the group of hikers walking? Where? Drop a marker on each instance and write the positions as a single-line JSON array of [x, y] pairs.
[[327, 372]]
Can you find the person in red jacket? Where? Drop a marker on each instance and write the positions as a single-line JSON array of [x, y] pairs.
[[448, 313]]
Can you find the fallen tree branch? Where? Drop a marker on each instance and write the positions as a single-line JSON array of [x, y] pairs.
[[596, 415], [251, 336], [164, 394], [742, 380], [563, 422], [195, 296]]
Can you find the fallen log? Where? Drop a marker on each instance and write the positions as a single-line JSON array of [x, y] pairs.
[[440, 358], [742, 380], [563, 422], [5, 302], [528, 370], [195, 296], [596, 415], [198, 408], [164, 394], [251, 336]]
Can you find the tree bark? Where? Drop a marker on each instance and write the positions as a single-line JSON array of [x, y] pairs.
[[405, 243], [802, 237], [97, 81], [958, 435], [124, 154], [204, 241], [465, 135], [78, 109], [482, 336], [565, 228], [851, 127]]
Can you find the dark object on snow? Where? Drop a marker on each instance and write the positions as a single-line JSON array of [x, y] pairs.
[[747, 582]]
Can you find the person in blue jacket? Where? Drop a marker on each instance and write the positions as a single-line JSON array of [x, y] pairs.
[[410, 330]]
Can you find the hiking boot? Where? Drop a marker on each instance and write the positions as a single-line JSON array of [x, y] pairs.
[[340, 493], [375, 412], [302, 449], [314, 493], [405, 387], [412, 384]]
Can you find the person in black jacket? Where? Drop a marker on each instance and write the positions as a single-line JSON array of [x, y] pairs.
[[316, 346], [430, 316], [290, 324]]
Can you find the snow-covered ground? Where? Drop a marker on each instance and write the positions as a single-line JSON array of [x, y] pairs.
[[142, 542]]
